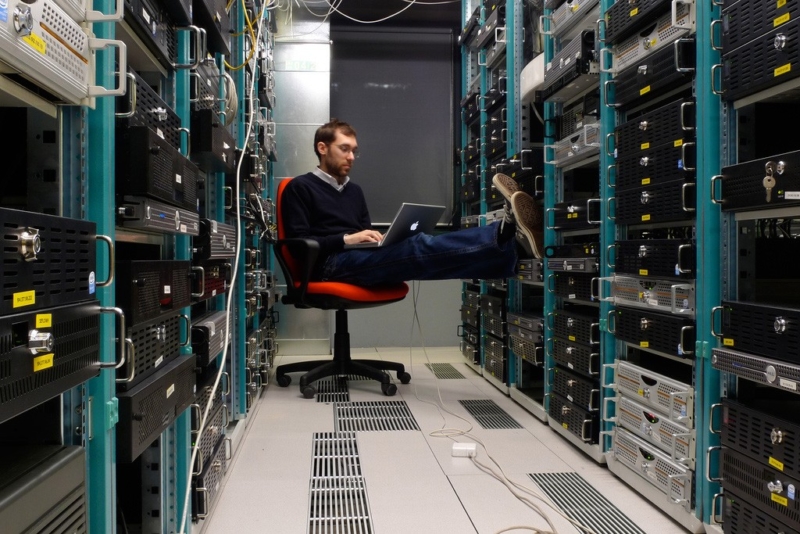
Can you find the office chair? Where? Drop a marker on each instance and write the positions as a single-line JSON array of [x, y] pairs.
[[297, 258]]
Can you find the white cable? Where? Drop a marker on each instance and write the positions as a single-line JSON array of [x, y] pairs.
[[196, 447], [410, 3]]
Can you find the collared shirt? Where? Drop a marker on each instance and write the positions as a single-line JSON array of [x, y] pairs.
[[327, 178]]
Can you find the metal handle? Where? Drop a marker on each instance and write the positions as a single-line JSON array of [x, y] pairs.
[[200, 48], [593, 356], [609, 183], [682, 345], [674, 448], [674, 13], [673, 395], [714, 180], [227, 391], [711, 38], [229, 190], [685, 105], [607, 91], [588, 202], [681, 248], [538, 179], [603, 68], [551, 287], [228, 448], [604, 374], [714, 330], [683, 197], [111, 260], [199, 461], [121, 338], [676, 476], [609, 210], [202, 272], [708, 464], [592, 340], [609, 248], [122, 74], [683, 156], [673, 290], [542, 18], [606, 417], [99, 16], [676, 46], [547, 218], [609, 315], [714, 514], [608, 137], [197, 415], [132, 94], [188, 330], [600, 22], [711, 428], [203, 492], [714, 79], [482, 54], [188, 140]]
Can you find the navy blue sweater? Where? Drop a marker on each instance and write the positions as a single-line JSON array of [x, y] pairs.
[[313, 209]]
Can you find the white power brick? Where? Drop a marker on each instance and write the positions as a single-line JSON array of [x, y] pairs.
[[464, 450]]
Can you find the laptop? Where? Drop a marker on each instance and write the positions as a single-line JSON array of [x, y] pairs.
[[411, 219]]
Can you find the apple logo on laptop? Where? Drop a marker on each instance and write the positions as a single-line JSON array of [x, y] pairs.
[[414, 226]]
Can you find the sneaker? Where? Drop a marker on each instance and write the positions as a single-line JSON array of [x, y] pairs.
[[529, 223], [506, 186]]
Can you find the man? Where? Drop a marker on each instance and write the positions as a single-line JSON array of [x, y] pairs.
[[326, 206]]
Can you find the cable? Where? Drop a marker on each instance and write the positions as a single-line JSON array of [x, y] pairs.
[[234, 274], [514, 487], [345, 15]]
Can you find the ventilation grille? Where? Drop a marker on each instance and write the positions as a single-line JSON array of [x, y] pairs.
[[489, 415], [444, 371], [333, 389], [583, 503], [337, 493], [373, 416]]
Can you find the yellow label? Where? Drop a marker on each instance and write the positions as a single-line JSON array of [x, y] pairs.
[[679, 142], [777, 464], [36, 42], [728, 342], [565, 425], [644, 344], [645, 146], [572, 338], [24, 298], [645, 217], [644, 90], [634, 11], [783, 70], [645, 181], [780, 20], [643, 272], [572, 215], [641, 393], [780, 500], [781, 3], [40, 363], [44, 320]]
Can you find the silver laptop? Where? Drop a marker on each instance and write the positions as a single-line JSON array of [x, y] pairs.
[[411, 219]]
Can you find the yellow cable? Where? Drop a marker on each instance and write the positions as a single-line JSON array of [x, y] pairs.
[[252, 40]]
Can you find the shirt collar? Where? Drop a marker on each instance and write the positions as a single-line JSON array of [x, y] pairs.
[[327, 178]]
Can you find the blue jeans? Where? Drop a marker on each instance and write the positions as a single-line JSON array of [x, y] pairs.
[[470, 253]]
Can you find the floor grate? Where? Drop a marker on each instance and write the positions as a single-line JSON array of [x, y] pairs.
[[489, 415], [371, 416], [332, 389], [580, 501], [444, 370], [337, 493]]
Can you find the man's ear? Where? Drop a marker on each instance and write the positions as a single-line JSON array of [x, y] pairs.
[[322, 148]]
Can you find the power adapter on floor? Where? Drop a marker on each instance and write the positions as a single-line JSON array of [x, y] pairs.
[[464, 450]]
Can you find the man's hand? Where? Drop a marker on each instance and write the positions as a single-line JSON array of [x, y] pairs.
[[364, 236]]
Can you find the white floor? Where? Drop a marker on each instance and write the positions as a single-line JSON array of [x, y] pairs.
[[414, 485]]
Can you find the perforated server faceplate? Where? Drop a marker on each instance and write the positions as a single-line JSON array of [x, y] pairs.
[[575, 327], [741, 517], [767, 432], [572, 17], [216, 241], [208, 336], [624, 18], [766, 488], [660, 332], [572, 71], [572, 286], [206, 486], [212, 434], [147, 214], [43, 489], [147, 289], [527, 349], [47, 260], [668, 162], [530, 270], [669, 258], [213, 146], [210, 278], [742, 185], [579, 358], [155, 343], [667, 202], [57, 54], [149, 408], [675, 439], [674, 480], [668, 124], [656, 295], [743, 22], [761, 330], [44, 353], [758, 369], [662, 393], [150, 112], [579, 422], [632, 50], [577, 214], [577, 389], [577, 147]]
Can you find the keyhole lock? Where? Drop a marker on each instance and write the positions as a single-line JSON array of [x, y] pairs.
[[643, 251], [644, 323], [23, 20], [39, 342], [780, 41], [776, 436], [643, 125], [644, 198], [644, 161], [30, 244], [775, 487], [780, 325]]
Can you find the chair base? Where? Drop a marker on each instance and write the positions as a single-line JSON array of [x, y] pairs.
[[341, 365]]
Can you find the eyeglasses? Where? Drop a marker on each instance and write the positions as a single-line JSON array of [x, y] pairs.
[[347, 149]]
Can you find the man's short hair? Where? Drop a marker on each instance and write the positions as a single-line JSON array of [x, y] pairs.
[[327, 133]]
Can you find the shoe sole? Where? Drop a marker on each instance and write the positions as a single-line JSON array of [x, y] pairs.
[[529, 223], [506, 185]]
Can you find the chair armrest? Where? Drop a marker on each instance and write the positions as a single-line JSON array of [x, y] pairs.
[[297, 258]]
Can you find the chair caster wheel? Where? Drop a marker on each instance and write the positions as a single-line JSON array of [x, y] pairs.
[[404, 377], [308, 391], [389, 389], [284, 380]]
